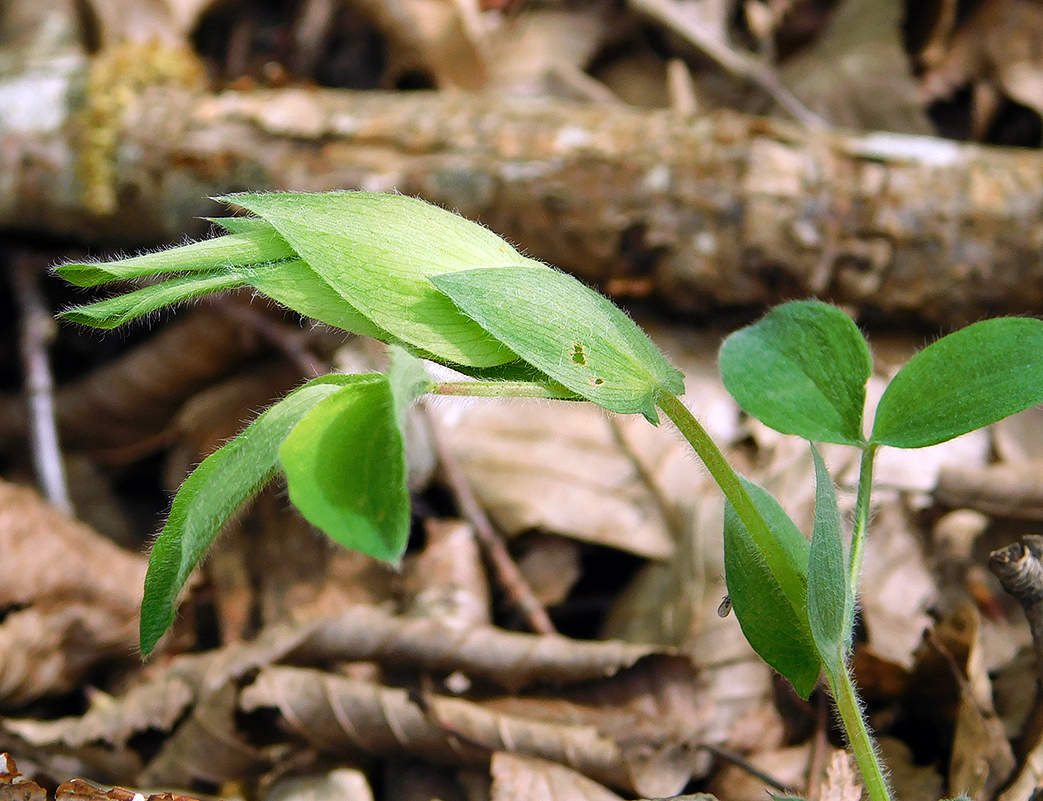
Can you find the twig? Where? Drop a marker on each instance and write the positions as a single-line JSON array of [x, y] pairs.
[[1019, 567], [37, 332], [510, 576], [670, 14], [746, 766]]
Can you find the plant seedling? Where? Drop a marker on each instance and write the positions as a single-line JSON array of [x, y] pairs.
[[433, 285]]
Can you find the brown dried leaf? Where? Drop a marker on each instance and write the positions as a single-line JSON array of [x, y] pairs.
[[74, 596], [101, 737], [167, 21], [512, 660], [341, 714], [519, 778], [447, 580], [842, 779]]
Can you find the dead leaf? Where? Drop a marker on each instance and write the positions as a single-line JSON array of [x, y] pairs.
[[447, 580], [340, 784], [518, 778], [144, 21], [843, 782], [72, 598]]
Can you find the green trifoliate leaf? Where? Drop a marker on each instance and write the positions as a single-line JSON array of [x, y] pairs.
[[967, 380], [802, 370], [215, 490], [378, 252], [346, 470], [256, 244], [830, 610], [568, 331], [778, 631], [115, 311]]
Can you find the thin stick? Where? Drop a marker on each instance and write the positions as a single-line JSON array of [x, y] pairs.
[[510, 576], [1019, 567], [37, 332]]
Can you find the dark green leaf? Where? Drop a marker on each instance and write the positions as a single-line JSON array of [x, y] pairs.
[[829, 608], [802, 370], [779, 633], [967, 380], [116, 311], [215, 490], [568, 331], [346, 472]]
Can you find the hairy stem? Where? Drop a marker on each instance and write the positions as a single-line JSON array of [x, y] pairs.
[[728, 480], [503, 389], [858, 736], [858, 536]]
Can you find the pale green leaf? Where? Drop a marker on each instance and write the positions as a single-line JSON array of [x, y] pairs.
[[115, 311], [378, 252], [212, 494], [969, 379], [346, 471], [568, 331], [828, 604], [256, 245], [802, 369]]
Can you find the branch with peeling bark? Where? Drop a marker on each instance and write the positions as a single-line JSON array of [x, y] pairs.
[[719, 210]]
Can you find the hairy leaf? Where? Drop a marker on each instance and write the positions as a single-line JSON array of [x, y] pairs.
[[568, 331], [829, 608], [378, 251], [802, 370], [212, 494], [252, 245], [114, 312], [779, 632], [346, 471], [962, 382]]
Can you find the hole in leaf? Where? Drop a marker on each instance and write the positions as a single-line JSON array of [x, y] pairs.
[[578, 356], [597, 382]]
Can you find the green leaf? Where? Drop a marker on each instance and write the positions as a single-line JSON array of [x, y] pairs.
[[568, 331], [967, 380], [346, 471], [408, 378], [253, 245], [830, 611], [779, 633], [295, 285], [802, 370], [378, 251], [212, 494], [116, 311]]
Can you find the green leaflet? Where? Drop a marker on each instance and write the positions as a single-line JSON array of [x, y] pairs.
[[346, 470], [778, 631], [378, 252], [215, 490], [251, 245], [116, 311], [568, 331], [802, 369], [830, 611], [967, 380]]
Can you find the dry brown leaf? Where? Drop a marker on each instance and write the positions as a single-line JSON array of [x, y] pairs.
[[102, 736], [206, 746], [999, 49], [843, 782], [510, 659], [447, 580], [341, 714], [519, 778], [856, 74], [910, 782], [72, 597], [787, 766], [340, 784]]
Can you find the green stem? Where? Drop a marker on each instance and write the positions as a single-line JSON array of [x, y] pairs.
[[861, 524], [858, 736], [793, 585], [503, 389]]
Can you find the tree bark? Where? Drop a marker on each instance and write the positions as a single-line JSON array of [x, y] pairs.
[[713, 211]]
